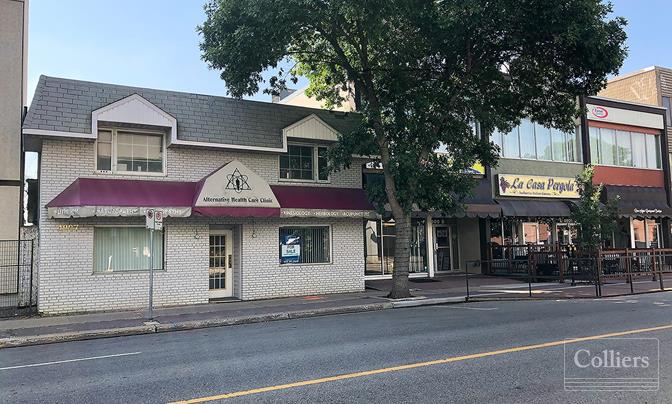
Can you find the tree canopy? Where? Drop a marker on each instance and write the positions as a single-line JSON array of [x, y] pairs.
[[422, 74]]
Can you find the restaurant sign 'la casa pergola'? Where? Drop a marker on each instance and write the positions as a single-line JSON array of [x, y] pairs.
[[537, 186]]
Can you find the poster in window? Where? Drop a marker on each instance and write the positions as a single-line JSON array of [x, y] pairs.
[[290, 250]]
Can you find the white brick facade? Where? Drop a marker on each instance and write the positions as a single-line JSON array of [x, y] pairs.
[[67, 283]]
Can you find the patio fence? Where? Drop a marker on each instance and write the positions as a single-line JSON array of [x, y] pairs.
[[556, 272]]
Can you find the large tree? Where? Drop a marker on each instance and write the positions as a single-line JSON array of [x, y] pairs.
[[421, 72]]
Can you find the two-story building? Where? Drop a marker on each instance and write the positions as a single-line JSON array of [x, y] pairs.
[[250, 209], [534, 180], [626, 144]]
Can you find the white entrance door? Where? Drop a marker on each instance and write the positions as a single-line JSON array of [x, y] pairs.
[[221, 263]]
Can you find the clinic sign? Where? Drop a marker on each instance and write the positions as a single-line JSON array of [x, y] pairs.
[[235, 185], [537, 186]]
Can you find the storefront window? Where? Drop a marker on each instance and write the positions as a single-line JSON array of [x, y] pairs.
[[305, 245], [125, 249], [653, 234], [646, 233], [530, 233], [544, 233], [639, 233], [380, 239], [372, 244], [566, 233]]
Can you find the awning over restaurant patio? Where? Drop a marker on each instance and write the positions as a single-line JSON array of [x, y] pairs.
[[638, 201]]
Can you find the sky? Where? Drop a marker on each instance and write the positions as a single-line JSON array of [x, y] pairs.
[[154, 43]]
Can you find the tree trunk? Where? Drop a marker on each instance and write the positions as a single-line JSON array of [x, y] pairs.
[[402, 257]]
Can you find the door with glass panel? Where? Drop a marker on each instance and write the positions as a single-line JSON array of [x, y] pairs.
[[442, 247], [221, 264]]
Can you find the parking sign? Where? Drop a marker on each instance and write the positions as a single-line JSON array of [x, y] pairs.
[[154, 219]]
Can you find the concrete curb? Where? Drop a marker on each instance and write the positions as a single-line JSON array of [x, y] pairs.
[[193, 325], [75, 336], [430, 301]]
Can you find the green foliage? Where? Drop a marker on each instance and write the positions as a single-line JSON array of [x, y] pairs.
[[422, 72], [596, 220]]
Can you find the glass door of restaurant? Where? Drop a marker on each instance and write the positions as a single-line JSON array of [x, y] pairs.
[[442, 248], [220, 270]]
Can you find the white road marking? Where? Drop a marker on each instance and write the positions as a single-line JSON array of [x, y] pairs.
[[472, 308], [70, 360]]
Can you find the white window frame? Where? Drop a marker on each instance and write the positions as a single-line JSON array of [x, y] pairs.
[[303, 264], [316, 172], [113, 163], [126, 271]]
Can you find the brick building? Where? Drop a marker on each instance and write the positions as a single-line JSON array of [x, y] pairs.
[[250, 212], [651, 85]]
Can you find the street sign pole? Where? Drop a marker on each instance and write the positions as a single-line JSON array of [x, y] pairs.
[[151, 274]]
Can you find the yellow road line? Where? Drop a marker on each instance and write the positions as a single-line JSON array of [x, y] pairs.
[[416, 365]]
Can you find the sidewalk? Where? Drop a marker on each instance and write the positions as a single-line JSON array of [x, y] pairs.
[[43, 330], [442, 290]]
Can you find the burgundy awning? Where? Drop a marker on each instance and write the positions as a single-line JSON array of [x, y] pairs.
[[115, 192], [87, 197], [329, 198]]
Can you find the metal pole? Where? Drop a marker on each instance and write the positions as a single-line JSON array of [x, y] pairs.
[[32, 252], [151, 273], [466, 274]]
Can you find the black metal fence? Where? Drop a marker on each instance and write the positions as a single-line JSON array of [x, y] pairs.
[[18, 291], [559, 274]]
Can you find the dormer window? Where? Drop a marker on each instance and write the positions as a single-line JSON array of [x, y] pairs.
[[304, 163], [126, 151]]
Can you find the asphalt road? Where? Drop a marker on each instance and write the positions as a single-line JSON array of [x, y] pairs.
[[205, 363]]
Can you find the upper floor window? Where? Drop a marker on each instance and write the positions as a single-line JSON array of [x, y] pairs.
[[530, 140], [624, 148], [304, 163], [125, 151]]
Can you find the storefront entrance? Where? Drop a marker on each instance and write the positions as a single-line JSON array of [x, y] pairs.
[[221, 264], [443, 244]]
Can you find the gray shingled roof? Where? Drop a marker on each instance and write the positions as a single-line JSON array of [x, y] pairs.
[[66, 105]]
